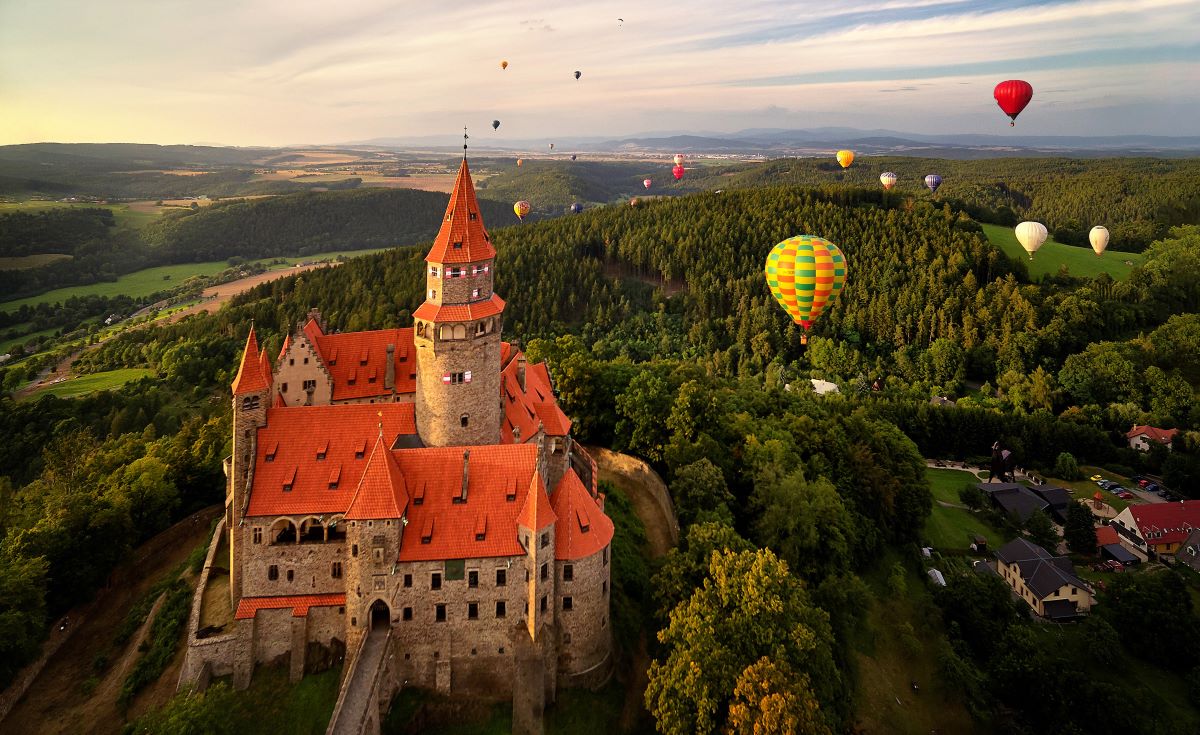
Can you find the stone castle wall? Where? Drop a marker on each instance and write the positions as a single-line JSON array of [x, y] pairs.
[[441, 406], [311, 564], [458, 290], [586, 636]]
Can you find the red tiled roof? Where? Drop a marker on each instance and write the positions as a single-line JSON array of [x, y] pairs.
[[356, 355], [248, 606], [435, 474], [381, 492], [459, 312], [264, 366], [294, 434], [536, 511], [1162, 436], [287, 342], [583, 529], [250, 376], [524, 409], [1166, 523], [1107, 535], [462, 226]]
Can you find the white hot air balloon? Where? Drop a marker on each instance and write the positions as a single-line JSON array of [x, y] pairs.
[[1031, 235], [1099, 239], [888, 179]]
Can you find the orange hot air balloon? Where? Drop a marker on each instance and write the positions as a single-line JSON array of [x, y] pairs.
[[805, 274], [519, 162], [521, 209], [845, 158], [503, 65]]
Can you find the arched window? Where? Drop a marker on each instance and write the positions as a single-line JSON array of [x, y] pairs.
[[480, 328], [447, 331], [460, 331], [464, 420], [420, 329], [283, 531], [312, 531]]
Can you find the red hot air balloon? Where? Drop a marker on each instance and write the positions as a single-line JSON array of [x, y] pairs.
[[678, 171], [1012, 96], [646, 183]]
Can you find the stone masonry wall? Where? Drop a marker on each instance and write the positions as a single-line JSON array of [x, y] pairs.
[[440, 406], [586, 635], [458, 290], [311, 564]]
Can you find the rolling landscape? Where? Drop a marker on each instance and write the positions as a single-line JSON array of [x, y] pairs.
[[810, 398]]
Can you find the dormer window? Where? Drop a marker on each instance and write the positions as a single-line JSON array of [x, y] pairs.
[[473, 216], [361, 450], [289, 481], [458, 246], [271, 452]]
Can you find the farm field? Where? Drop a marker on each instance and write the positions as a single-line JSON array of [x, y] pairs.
[[1081, 262], [93, 382], [21, 262], [126, 215]]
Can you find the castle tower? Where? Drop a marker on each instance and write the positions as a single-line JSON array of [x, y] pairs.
[[251, 398], [457, 330]]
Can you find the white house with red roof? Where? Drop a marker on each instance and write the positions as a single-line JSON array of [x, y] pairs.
[[413, 491], [1158, 527], [1141, 437]]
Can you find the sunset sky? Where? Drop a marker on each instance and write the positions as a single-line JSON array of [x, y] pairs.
[[274, 72]]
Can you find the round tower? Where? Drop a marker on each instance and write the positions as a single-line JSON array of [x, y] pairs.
[[456, 331]]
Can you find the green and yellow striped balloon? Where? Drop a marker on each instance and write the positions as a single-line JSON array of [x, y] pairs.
[[805, 274]]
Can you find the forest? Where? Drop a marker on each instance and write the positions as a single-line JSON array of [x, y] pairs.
[[663, 342]]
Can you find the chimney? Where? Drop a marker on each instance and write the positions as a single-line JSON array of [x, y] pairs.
[[462, 498], [389, 377], [521, 371]]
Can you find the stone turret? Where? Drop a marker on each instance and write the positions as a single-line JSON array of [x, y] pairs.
[[251, 398], [457, 330]]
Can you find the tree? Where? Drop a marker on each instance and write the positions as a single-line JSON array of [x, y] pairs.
[[807, 524], [685, 566], [643, 409], [770, 699], [700, 493], [749, 607], [1080, 531], [1066, 467], [1039, 529], [979, 609], [1155, 615], [22, 610]]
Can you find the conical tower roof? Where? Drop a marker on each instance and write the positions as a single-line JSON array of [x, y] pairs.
[[381, 492], [462, 237], [250, 376]]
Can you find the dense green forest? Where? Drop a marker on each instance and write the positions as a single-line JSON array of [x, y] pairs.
[[663, 342]]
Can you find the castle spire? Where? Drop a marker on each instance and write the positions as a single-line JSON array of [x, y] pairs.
[[250, 378], [462, 237]]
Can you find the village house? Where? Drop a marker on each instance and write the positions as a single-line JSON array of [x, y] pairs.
[[1140, 437], [1158, 527], [1189, 551], [1046, 583]]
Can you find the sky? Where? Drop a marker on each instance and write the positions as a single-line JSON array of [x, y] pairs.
[[288, 72]]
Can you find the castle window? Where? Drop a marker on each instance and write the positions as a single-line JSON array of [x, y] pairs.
[[249, 403], [379, 583], [435, 581], [475, 293], [354, 550], [440, 613], [472, 611], [377, 554], [464, 420], [501, 577], [472, 216], [291, 574], [604, 587], [306, 361], [481, 327], [432, 294], [545, 539], [272, 572], [568, 603], [257, 535], [420, 331], [545, 571], [543, 605], [566, 637], [408, 580], [433, 271], [460, 331], [284, 388], [292, 361], [568, 572], [473, 578], [407, 614], [335, 570], [310, 385], [501, 609]]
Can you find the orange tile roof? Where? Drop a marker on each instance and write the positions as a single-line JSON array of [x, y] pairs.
[[1106, 535], [524, 409], [462, 226], [583, 528], [287, 342], [249, 606], [356, 355], [435, 474], [1162, 436], [536, 511], [294, 434], [459, 312], [250, 376], [1166, 523], [381, 492]]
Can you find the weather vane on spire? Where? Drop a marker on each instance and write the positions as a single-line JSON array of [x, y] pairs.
[[465, 136]]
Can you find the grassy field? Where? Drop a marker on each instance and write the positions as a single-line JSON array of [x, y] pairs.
[[7, 344], [125, 216], [951, 528], [1081, 262], [85, 384], [22, 262]]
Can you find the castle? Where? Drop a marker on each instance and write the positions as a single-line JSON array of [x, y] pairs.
[[413, 497]]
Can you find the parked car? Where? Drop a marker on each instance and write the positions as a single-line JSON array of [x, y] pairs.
[[1152, 487], [1143, 482], [1126, 495], [1109, 485], [1137, 478], [1096, 478]]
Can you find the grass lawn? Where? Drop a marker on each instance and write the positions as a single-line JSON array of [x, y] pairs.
[[21, 262], [1081, 262], [93, 382], [951, 528], [1086, 488], [272, 706], [7, 344]]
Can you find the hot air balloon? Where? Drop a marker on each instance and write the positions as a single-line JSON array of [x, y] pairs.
[[932, 182], [678, 159], [521, 208], [576, 208], [573, 156], [578, 74], [519, 161], [1099, 239], [551, 146], [647, 182], [503, 65], [845, 158], [1012, 96], [888, 179], [495, 124], [1031, 235], [805, 274], [678, 172], [633, 202]]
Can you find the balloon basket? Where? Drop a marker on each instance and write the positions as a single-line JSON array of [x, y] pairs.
[[803, 339]]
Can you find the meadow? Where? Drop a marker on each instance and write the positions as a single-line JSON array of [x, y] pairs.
[[21, 262], [1080, 262], [127, 216], [93, 382], [951, 528]]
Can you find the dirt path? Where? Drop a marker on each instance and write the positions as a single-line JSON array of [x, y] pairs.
[[652, 503], [57, 704]]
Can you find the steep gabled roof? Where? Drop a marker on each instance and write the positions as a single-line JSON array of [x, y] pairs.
[[535, 405], [1019, 550], [250, 378], [1163, 436], [381, 492], [1106, 535], [536, 513], [462, 237], [1166, 523], [582, 529], [358, 361]]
